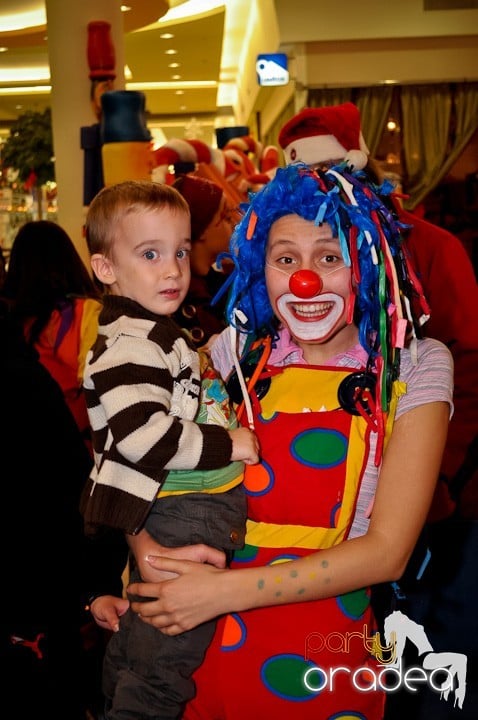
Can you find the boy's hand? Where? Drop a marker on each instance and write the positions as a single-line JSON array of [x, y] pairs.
[[245, 445], [107, 610]]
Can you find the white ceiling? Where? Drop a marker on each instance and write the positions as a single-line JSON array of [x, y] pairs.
[[216, 46], [199, 42]]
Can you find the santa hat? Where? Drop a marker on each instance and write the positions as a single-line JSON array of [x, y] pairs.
[[177, 151], [203, 198], [325, 134]]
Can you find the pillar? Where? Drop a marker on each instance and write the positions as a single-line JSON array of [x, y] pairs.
[[70, 98]]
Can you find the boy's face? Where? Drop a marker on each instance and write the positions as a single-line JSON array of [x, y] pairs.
[[149, 260]]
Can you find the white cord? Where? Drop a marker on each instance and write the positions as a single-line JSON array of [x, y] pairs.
[[233, 336]]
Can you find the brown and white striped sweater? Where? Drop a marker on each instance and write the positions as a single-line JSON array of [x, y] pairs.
[[142, 386]]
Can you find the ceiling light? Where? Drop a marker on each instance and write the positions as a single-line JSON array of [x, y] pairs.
[[188, 9], [171, 51], [174, 65], [166, 36], [20, 21], [125, 8], [25, 74], [3, 49], [179, 92], [190, 85], [26, 90], [176, 77]]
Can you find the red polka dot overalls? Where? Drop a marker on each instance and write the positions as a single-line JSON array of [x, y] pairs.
[[276, 663]]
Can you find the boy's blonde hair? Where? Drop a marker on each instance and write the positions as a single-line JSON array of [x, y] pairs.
[[114, 202]]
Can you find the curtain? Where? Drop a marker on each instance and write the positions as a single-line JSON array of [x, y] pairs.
[[328, 96], [374, 105], [438, 123], [426, 112], [372, 102]]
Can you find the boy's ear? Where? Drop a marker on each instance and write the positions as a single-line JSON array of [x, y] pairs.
[[103, 269]]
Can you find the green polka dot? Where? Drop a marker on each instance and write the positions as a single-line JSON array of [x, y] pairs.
[[247, 553], [283, 675], [319, 448], [355, 603]]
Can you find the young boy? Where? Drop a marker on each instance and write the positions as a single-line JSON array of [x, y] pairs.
[[158, 473]]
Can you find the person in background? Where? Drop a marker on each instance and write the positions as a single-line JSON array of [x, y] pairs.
[[351, 410], [50, 653], [52, 295], [213, 219], [169, 456], [444, 599]]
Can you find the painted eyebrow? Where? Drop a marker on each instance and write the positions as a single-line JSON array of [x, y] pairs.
[[285, 243]]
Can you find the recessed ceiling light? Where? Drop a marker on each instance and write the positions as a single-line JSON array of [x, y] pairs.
[[174, 65], [179, 92], [26, 90], [37, 73], [166, 36], [171, 51], [176, 77], [29, 19], [125, 8], [3, 49]]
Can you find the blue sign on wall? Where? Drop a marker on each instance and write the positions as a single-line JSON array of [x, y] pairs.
[[272, 69]]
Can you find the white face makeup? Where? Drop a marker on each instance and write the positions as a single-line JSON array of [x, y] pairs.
[[312, 320]]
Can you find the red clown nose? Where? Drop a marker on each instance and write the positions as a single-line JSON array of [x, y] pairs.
[[305, 284]]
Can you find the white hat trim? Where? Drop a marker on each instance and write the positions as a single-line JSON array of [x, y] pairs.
[[319, 148], [315, 149]]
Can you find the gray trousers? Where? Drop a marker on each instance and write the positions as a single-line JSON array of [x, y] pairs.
[[147, 675]]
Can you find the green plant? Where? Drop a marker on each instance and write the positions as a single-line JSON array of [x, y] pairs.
[[29, 149]]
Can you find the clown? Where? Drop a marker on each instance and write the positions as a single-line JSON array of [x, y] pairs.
[[351, 407]]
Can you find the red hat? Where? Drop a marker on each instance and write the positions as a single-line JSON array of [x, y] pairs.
[[325, 134], [203, 198]]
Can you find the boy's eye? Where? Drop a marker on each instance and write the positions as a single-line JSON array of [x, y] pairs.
[[150, 254], [181, 254]]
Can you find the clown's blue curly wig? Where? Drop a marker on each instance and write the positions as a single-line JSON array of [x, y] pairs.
[[371, 243], [390, 306]]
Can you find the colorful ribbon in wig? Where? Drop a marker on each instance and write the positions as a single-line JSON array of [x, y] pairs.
[[370, 236]]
